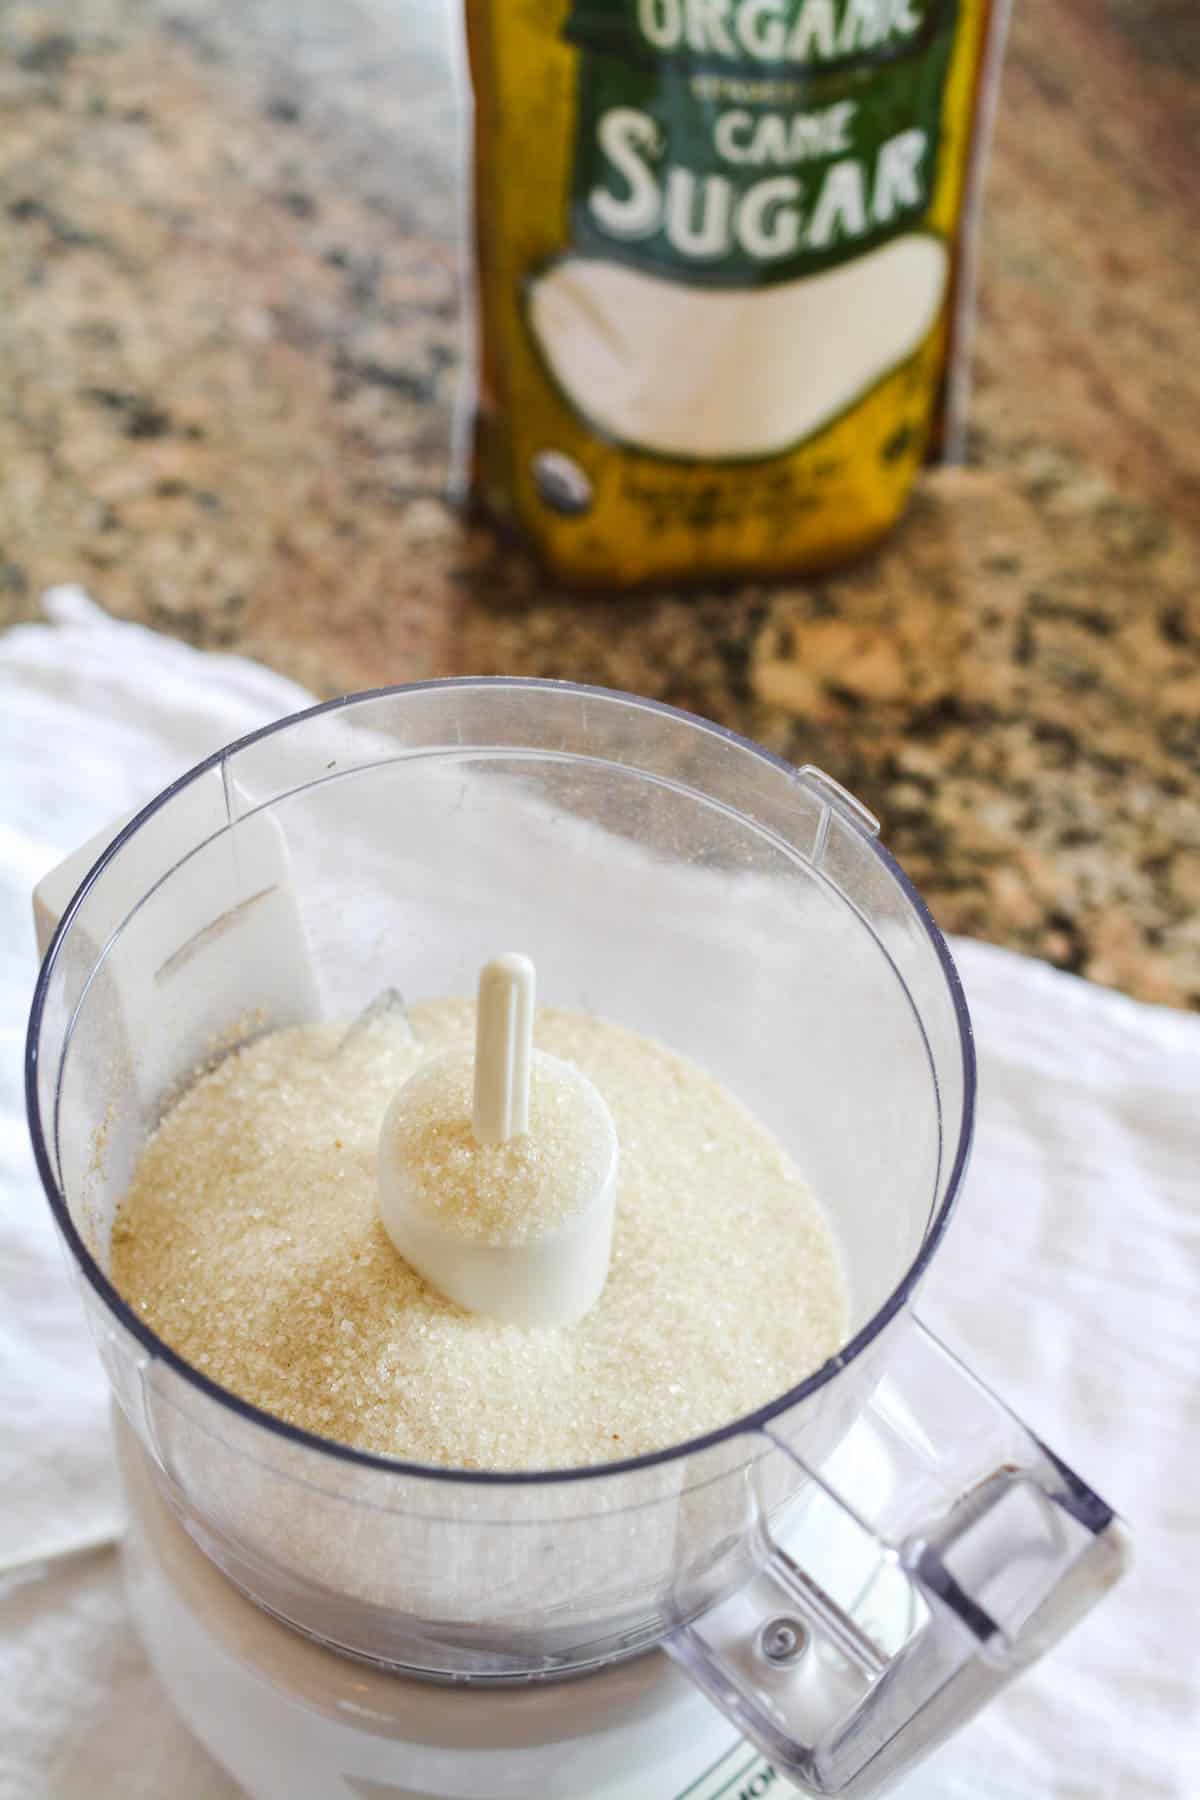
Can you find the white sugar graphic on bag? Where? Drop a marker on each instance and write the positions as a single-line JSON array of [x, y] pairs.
[[659, 365]]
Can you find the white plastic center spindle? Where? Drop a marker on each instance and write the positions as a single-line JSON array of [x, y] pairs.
[[503, 1049], [498, 1173]]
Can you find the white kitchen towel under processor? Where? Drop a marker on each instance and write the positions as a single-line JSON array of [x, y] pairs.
[[1071, 1281]]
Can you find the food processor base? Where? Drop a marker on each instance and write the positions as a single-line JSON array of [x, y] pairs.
[[291, 1720]]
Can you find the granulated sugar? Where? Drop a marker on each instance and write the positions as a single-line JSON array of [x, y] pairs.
[[499, 1193], [250, 1241]]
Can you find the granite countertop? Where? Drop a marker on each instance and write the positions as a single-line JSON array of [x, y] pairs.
[[228, 343]]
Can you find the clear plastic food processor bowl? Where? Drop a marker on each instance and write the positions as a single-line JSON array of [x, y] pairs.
[[685, 883]]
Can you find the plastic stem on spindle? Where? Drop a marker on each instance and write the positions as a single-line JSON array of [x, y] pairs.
[[503, 1049]]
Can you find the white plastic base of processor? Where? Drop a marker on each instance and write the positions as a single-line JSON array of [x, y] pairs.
[[292, 1721]]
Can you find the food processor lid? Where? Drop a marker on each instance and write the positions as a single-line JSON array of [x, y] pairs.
[[833, 797]]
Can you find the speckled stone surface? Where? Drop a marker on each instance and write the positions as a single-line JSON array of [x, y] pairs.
[[228, 349]]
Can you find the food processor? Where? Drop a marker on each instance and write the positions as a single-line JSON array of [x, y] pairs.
[[817, 1593]]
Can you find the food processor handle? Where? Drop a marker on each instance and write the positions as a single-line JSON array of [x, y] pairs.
[[974, 1534]]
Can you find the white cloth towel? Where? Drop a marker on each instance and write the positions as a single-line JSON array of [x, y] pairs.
[[1071, 1281]]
